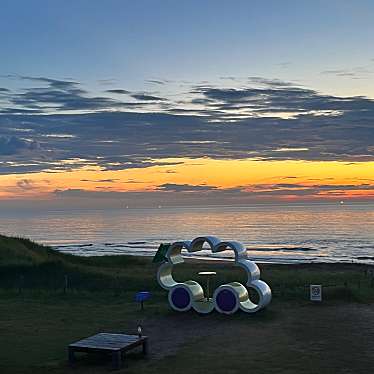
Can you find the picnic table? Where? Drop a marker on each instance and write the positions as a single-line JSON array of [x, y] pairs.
[[115, 344]]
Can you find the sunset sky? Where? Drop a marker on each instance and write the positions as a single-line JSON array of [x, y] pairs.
[[147, 103]]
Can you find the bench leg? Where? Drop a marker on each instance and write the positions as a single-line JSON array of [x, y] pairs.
[[145, 347], [71, 356], [116, 360]]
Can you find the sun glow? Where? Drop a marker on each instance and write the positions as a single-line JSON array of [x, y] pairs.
[[331, 178]]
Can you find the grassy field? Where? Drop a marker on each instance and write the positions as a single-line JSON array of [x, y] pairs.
[[48, 300]]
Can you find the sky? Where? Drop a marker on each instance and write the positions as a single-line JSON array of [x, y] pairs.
[[147, 103]]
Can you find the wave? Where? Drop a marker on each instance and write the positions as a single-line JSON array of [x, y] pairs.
[[282, 249], [365, 258], [281, 253], [73, 245], [132, 245]]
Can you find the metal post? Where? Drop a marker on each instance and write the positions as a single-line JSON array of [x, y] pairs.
[[71, 356], [20, 285], [145, 347], [66, 284], [116, 359]]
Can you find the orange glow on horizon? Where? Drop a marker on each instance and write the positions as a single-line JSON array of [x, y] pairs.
[[222, 174]]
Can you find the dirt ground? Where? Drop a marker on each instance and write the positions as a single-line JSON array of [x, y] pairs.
[[287, 337], [290, 338]]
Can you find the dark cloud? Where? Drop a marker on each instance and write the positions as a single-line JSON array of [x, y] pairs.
[[54, 83], [68, 95], [185, 187], [110, 180], [339, 73], [170, 172], [20, 111], [134, 181], [269, 82], [88, 194], [25, 184], [211, 121], [107, 82], [118, 91], [299, 101], [144, 97], [74, 192], [64, 98], [156, 81], [296, 189], [13, 145], [60, 95], [358, 72], [176, 194]]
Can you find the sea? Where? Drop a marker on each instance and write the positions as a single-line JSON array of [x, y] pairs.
[[276, 233]]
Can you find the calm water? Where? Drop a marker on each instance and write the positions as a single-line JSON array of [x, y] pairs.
[[338, 233]]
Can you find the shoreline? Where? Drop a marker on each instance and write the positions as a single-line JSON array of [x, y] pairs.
[[144, 253]]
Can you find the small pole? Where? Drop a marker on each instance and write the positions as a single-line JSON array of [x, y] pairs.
[[207, 288], [142, 305], [140, 330], [66, 283], [117, 286], [20, 284]]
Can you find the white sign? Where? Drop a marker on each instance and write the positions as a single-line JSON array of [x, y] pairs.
[[315, 292]]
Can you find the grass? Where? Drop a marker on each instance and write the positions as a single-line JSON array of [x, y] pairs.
[[39, 316], [29, 267]]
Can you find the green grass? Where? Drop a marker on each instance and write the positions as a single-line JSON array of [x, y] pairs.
[[39, 316], [26, 267]]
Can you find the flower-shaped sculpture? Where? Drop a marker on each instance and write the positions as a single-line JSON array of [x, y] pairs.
[[227, 298]]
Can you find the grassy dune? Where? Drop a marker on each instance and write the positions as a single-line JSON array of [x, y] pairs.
[[27, 266], [39, 316]]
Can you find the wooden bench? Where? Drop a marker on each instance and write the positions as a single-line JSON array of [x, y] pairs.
[[115, 344]]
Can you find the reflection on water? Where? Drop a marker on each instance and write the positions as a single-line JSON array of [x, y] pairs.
[[271, 232]]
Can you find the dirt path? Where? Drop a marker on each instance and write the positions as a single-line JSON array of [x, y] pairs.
[[335, 338]]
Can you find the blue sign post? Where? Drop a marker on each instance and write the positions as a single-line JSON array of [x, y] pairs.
[[142, 296]]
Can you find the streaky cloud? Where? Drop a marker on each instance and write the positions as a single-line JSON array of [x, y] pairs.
[[266, 120]]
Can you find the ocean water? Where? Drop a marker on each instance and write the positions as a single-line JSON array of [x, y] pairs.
[[272, 233]]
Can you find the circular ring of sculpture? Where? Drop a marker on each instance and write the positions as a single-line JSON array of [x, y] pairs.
[[227, 298], [182, 296], [226, 301]]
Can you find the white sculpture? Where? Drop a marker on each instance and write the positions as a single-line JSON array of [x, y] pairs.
[[227, 298]]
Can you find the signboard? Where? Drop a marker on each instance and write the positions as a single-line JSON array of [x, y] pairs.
[[315, 292]]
